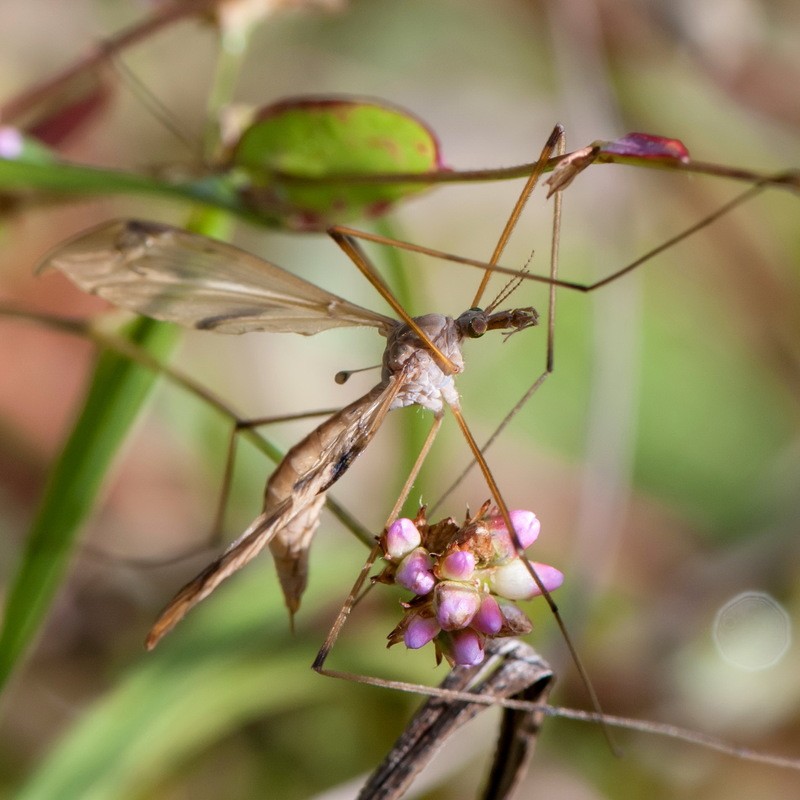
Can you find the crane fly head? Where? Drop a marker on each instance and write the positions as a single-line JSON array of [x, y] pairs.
[[474, 322]]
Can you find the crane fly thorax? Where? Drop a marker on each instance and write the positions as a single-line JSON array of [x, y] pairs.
[[427, 384]]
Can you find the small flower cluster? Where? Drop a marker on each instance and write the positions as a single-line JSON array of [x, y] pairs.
[[465, 578]]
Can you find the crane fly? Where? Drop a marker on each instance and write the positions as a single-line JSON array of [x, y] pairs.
[[172, 275]]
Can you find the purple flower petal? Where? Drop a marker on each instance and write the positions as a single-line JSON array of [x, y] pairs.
[[420, 631], [489, 618], [455, 604], [458, 566], [526, 526], [551, 577], [401, 538], [467, 647], [414, 571]]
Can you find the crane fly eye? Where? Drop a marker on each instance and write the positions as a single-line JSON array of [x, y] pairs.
[[477, 327], [477, 324]]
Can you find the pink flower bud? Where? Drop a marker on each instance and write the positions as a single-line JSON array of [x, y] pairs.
[[526, 526], [458, 566], [401, 538], [455, 604], [551, 577], [514, 582], [466, 647], [420, 631], [414, 571], [489, 619]]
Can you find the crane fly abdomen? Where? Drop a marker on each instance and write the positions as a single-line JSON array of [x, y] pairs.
[[307, 471]]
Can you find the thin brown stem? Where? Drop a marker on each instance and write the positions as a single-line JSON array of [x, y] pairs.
[[788, 179], [161, 18]]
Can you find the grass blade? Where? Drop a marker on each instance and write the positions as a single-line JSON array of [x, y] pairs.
[[116, 393]]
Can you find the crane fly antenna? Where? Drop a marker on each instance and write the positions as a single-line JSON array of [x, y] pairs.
[[510, 288]]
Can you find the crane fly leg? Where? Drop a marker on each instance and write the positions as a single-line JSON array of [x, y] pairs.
[[355, 593], [551, 323], [237, 427]]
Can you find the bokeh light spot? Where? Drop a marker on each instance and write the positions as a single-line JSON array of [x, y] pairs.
[[752, 631]]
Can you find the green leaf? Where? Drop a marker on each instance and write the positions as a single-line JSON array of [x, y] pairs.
[[115, 396], [293, 145]]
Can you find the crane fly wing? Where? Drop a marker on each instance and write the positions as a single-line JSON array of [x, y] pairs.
[[310, 468], [290, 548], [173, 275], [241, 552], [293, 502]]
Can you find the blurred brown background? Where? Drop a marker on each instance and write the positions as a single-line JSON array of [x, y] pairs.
[[662, 457]]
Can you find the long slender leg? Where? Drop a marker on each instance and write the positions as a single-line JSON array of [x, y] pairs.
[[577, 286], [550, 352], [504, 511], [238, 426], [355, 592]]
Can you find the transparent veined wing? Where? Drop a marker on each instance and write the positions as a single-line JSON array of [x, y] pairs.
[[170, 274]]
